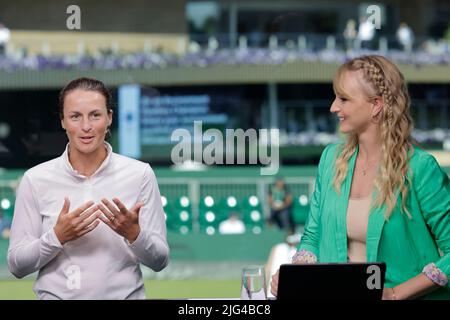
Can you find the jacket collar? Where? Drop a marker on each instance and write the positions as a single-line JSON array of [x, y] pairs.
[[375, 224], [69, 168]]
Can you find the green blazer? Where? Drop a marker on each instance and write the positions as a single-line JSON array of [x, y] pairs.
[[405, 245]]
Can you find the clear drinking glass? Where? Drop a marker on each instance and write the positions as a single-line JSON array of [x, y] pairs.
[[253, 283]]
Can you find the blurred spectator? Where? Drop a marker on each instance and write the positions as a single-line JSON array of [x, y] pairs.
[[405, 36], [5, 35], [292, 123], [366, 33], [322, 124], [281, 253], [350, 34], [5, 225], [447, 34], [280, 202], [233, 225], [256, 38], [436, 48]]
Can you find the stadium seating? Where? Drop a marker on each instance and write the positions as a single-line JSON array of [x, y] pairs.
[[253, 214], [227, 205], [185, 213], [209, 215], [7, 199], [228, 57], [178, 213]]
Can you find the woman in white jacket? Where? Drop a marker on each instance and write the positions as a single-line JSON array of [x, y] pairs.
[[86, 219]]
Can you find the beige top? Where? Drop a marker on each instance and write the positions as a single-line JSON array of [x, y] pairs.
[[357, 220]]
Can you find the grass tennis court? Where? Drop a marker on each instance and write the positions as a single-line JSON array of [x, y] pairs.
[[156, 289]]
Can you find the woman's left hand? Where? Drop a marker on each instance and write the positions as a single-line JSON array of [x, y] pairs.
[[123, 221]]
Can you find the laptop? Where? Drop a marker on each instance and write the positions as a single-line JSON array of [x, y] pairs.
[[331, 281]]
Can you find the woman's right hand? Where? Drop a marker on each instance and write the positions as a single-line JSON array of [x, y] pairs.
[[302, 257], [72, 225], [274, 283]]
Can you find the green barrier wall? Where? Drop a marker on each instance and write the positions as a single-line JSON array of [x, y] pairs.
[[243, 247], [195, 255]]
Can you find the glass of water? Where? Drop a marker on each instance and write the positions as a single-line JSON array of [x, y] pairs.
[[253, 283]]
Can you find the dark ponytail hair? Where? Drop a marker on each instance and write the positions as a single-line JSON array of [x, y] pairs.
[[87, 84]]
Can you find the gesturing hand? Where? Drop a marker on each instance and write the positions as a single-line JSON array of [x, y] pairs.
[[123, 221], [72, 225]]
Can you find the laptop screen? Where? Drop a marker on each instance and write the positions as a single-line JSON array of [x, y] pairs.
[[331, 281]]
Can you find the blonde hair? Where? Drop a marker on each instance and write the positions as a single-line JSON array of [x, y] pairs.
[[381, 78]]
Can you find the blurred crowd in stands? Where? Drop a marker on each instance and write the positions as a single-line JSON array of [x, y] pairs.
[[322, 138], [403, 47], [110, 60]]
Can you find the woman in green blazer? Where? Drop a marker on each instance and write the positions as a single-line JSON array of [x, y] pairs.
[[407, 225]]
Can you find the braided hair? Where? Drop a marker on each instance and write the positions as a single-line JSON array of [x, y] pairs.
[[381, 78]]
